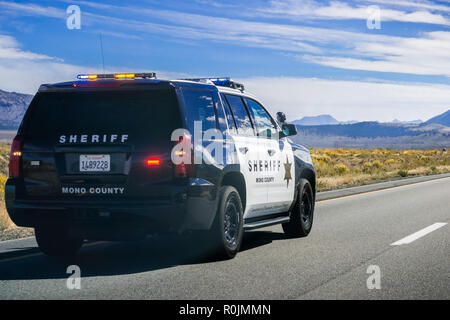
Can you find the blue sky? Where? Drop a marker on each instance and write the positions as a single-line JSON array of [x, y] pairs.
[[304, 57]]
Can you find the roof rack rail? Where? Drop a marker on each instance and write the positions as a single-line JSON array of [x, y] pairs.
[[145, 75], [221, 81]]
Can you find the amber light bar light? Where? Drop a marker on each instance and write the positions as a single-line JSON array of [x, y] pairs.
[[119, 76]]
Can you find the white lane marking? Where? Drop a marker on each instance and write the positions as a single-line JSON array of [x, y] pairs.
[[419, 234], [15, 240]]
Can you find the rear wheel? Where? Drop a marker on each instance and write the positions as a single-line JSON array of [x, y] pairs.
[[302, 214], [227, 232], [56, 241]]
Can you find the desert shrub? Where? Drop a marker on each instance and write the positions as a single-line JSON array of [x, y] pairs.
[[377, 164], [367, 167], [402, 172], [321, 157], [370, 165], [341, 169], [4, 158], [5, 222]]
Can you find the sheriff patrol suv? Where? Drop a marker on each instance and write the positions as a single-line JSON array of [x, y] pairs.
[[119, 156]]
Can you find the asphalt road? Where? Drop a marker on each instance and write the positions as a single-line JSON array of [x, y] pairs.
[[349, 235]]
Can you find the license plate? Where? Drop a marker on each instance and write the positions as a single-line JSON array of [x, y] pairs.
[[95, 163]]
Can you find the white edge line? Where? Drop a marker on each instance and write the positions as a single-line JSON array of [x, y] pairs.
[[15, 240], [419, 234]]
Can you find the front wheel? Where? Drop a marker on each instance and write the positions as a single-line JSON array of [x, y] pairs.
[[302, 214], [55, 241]]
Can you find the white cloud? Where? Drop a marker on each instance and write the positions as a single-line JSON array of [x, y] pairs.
[[346, 100], [25, 76], [9, 49], [411, 4], [426, 54], [29, 9], [25, 71], [337, 10], [350, 100]]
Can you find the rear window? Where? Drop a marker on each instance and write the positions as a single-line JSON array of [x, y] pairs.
[[199, 107], [151, 114]]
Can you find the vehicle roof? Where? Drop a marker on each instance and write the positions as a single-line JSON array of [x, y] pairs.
[[114, 84]]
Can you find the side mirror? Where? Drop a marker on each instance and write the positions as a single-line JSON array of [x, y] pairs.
[[281, 117], [288, 129]]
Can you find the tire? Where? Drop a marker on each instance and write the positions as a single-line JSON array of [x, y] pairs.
[[228, 229], [302, 214], [55, 241]]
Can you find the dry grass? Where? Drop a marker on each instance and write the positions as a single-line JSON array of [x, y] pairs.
[[5, 221], [340, 168]]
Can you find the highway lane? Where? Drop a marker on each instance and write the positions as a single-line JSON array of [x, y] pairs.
[[349, 235]]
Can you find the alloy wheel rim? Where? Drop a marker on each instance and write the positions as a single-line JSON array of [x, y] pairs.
[[231, 223], [305, 207]]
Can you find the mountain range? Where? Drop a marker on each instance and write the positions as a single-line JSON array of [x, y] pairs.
[[434, 133], [323, 119], [12, 108]]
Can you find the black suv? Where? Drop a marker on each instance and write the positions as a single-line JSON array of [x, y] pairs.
[[116, 157]]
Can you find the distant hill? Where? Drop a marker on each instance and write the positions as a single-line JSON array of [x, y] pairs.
[[374, 135], [370, 129], [418, 121], [12, 108], [323, 119], [443, 119]]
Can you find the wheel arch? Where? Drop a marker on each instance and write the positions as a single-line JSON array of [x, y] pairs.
[[309, 175], [236, 180]]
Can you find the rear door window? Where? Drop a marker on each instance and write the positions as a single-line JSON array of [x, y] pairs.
[[230, 119], [199, 107], [241, 117]]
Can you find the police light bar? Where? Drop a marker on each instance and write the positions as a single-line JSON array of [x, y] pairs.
[[223, 82], [118, 76]]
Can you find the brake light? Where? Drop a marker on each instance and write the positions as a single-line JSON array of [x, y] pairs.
[[183, 169], [14, 157], [153, 162]]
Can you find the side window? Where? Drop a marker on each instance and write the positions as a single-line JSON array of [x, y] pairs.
[[199, 107], [263, 122], [243, 122], [220, 113], [230, 119]]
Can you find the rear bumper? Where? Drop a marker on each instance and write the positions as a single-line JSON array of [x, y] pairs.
[[192, 207]]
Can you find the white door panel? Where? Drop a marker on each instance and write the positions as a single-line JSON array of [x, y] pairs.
[[281, 192], [247, 149]]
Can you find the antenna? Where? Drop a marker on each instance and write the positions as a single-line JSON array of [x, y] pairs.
[[101, 49]]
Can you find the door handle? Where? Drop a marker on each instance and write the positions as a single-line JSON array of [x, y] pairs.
[[271, 152], [243, 150]]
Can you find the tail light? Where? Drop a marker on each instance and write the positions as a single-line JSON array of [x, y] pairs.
[[153, 162], [15, 157], [183, 169]]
